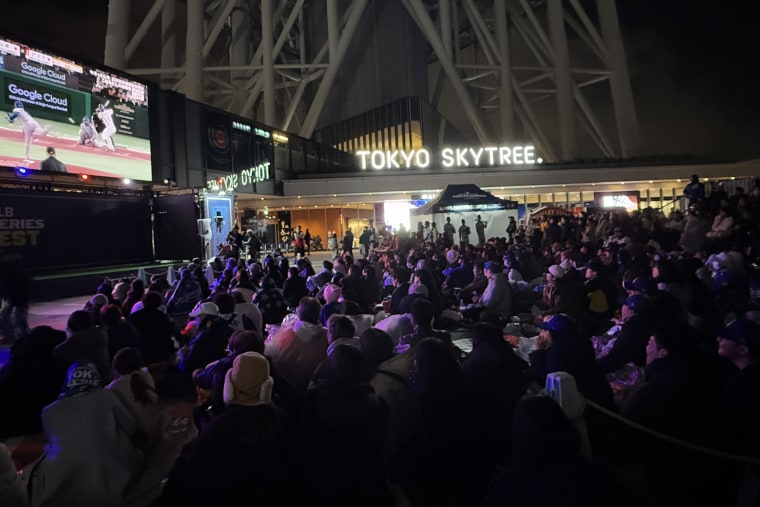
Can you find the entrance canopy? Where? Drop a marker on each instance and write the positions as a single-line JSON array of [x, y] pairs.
[[466, 202], [464, 198]]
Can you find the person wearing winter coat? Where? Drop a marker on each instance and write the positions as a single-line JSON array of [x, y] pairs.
[[245, 455], [89, 458], [298, 350]]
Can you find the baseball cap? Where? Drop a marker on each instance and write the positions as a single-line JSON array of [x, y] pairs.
[[207, 308], [744, 331], [493, 267], [594, 264], [637, 302], [640, 284], [560, 326]]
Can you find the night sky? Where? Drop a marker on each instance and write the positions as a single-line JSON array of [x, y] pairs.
[[693, 66]]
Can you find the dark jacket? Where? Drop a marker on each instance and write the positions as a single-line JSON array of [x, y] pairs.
[[398, 295], [576, 357], [630, 345], [123, 334], [294, 289], [89, 345], [243, 457], [208, 345], [343, 430], [156, 331], [30, 380]]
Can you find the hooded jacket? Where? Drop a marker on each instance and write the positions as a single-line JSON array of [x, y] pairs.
[[498, 295], [297, 351]]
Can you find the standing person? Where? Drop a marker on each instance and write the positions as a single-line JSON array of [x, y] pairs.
[[464, 235], [105, 114], [694, 190], [307, 241], [299, 243], [480, 228], [51, 163], [15, 292], [511, 228], [364, 242], [448, 233], [434, 234], [28, 124], [332, 244], [348, 242]]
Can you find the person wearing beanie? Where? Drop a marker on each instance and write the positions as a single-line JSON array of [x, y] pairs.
[[332, 294], [85, 342], [553, 276], [245, 455], [89, 435]]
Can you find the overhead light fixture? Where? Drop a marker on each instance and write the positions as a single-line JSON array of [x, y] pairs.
[[280, 138]]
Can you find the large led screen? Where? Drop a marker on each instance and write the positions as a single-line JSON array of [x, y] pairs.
[[96, 121]]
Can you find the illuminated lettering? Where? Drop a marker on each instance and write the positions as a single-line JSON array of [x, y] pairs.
[[377, 160], [363, 154], [447, 157], [491, 150], [476, 155], [407, 157], [461, 160], [530, 156], [504, 153], [422, 159], [392, 159]]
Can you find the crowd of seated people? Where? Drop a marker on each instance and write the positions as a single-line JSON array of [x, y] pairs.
[[413, 376]]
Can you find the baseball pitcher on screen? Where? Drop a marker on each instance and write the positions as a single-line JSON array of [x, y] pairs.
[[29, 126]]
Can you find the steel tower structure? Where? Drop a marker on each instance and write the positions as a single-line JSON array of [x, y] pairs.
[[548, 71]]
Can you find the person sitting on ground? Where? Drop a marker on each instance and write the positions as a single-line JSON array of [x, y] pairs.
[[185, 296], [248, 312], [156, 330], [497, 296], [120, 332], [30, 380], [244, 456], [134, 386], [294, 288], [631, 341], [422, 314], [271, 301], [377, 346], [343, 426], [296, 351], [244, 285], [88, 433], [341, 330], [332, 306], [209, 342], [134, 294], [401, 280], [94, 305], [210, 380], [315, 282], [84, 342], [545, 467]]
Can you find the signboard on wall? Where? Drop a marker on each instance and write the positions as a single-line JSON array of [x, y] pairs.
[[51, 232]]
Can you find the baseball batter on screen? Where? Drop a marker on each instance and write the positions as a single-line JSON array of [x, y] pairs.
[[105, 114]]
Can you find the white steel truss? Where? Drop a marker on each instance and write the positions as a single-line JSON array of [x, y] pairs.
[[503, 59]]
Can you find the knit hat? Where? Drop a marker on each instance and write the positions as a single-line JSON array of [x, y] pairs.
[[332, 293], [81, 377], [418, 288], [99, 300], [556, 271], [451, 256], [248, 381]]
